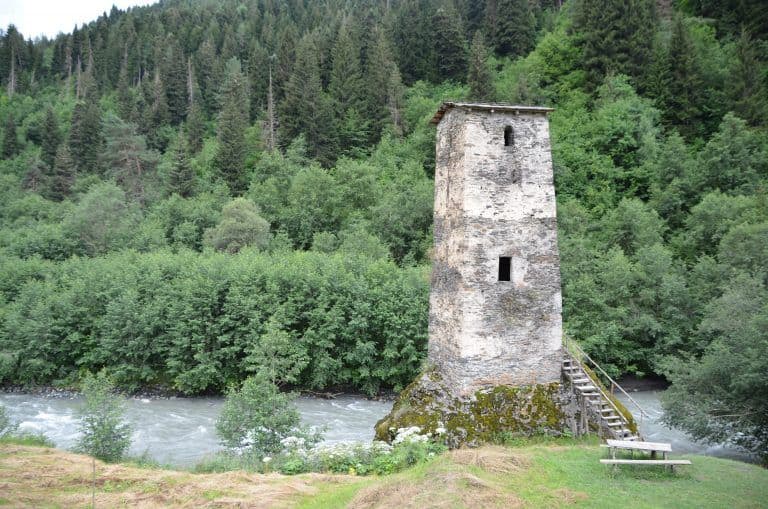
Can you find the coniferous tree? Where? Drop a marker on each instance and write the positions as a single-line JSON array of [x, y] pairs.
[[195, 127], [681, 100], [181, 178], [158, 114], [412, 40], [384, 88], [10, 139], [208, 74], [125, 102], [233, 120], [63, 174], [270, 128], [127, 158], [749, 93], [85, 137], [512, 26], [479, 76], [615, 36], [306, 109], [449, 44], [174, 80], [51, 138], [346, 92], [258, 76]]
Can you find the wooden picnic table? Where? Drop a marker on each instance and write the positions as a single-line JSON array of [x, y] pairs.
[[631, 445], [652, 447]]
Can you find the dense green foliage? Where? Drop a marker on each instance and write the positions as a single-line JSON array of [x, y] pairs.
[[199, 322], [104, 433], [194, 191], [256, 419]]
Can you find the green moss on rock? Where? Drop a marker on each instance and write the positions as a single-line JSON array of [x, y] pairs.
[[471, 420]]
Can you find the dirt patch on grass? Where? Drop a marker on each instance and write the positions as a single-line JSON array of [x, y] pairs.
[[497, 460], [35, 477], [447, 490], [567, 496]]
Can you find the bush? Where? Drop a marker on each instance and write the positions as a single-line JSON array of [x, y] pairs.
[[256, 418], [6, 425], [104, 433]]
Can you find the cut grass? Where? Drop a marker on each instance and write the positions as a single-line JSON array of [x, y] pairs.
[[545, 474]]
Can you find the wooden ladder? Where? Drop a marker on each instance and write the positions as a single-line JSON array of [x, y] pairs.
[[594, 396]]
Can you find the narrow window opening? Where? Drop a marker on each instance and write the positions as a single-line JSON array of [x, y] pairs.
[[505, 268], [509, 137]]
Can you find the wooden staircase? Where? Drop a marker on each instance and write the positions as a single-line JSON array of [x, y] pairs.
[[596, 403]]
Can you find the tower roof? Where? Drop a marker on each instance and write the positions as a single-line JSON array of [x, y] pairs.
[[492, 107]]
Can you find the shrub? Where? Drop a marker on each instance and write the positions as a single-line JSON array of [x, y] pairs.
[[256, 417], [104, 433], [6, 425]]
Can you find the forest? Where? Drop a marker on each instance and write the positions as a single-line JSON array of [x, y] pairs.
[[196, 190]]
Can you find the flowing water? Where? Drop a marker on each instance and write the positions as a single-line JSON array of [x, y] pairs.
[[653, 430], [181, 431]]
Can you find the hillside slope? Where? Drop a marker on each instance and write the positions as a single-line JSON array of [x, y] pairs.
[[532, 476]]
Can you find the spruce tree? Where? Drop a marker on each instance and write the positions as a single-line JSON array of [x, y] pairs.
[[449, 44], [306, 109], [258, 77], [195, 128], [64, 174], [85, 138], [512, 26], [681, 102], [347, 94], [174, 79], [125, 102], [384, 88], [412, 40], [181, 178], [208, 74], [479, 76], [51, 138], [233, 121], [346, 83], [158, 114], [10, 139], [615, 36], [749, 93]]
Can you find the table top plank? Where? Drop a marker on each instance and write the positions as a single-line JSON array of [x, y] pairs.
[[640, 446]]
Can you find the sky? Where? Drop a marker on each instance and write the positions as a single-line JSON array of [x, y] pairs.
[[49, 17]]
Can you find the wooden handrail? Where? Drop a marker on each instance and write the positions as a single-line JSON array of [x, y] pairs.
[[569, 343]]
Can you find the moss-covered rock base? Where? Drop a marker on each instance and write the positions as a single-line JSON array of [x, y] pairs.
[[480, 417]]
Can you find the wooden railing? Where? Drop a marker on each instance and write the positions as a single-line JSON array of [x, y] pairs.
[[581, 356]]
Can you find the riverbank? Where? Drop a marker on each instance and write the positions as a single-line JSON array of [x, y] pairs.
[[493, 476]]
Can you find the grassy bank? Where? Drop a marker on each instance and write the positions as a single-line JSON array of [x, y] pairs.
[[529, 476]]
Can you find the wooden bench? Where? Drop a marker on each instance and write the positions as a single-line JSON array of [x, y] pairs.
[[670, 463]]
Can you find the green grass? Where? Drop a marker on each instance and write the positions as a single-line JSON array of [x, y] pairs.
[[708, 482], [554, 474], [24, 438]]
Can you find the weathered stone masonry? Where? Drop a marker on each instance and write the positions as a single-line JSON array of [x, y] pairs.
[[495, 327], [494, 199]]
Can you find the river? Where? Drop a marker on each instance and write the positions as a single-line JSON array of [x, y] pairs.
[[181, 431]]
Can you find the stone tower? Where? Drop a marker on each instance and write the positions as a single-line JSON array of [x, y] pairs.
[[495, 302], [495, 325]]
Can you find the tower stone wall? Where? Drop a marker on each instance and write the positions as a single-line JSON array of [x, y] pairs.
[[494, 219]]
